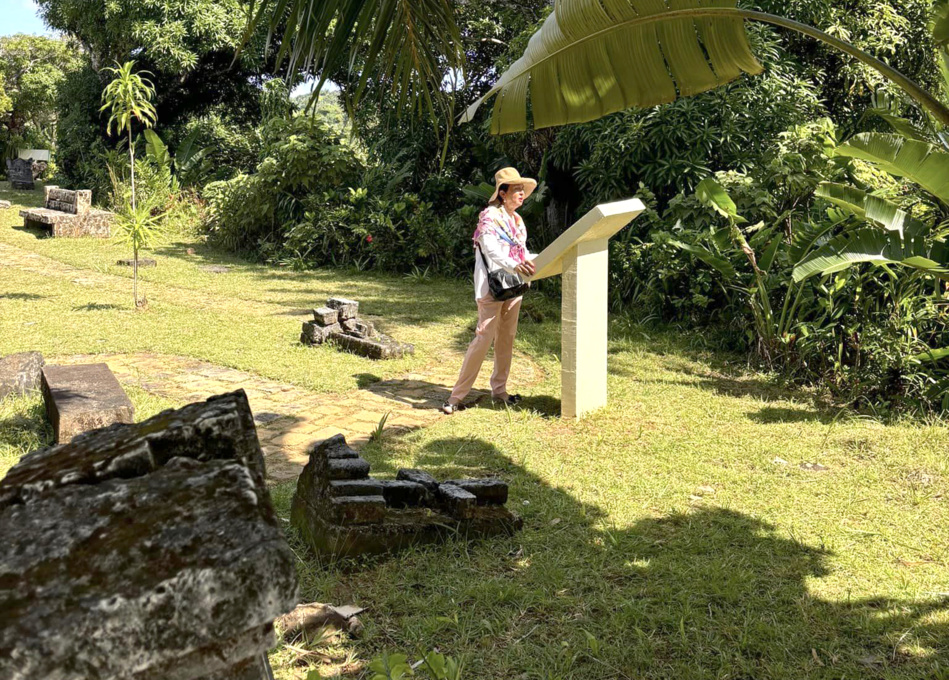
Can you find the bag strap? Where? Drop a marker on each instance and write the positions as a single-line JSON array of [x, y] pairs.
[[487, 269]]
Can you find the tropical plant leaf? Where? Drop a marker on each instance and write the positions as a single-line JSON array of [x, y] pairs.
[[871, 208], [845, 196], [711, 193], [593, 57], [920, 162], [767, 259], [155, 149], [720, 264], [878, 247], [931, 356]]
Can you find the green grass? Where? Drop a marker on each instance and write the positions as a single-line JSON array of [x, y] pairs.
[[673, 534]]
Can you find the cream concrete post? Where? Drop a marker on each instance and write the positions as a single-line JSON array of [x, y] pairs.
[[583, 334], [581, 255]]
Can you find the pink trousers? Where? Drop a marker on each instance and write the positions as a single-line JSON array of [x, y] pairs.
[[497, 323]]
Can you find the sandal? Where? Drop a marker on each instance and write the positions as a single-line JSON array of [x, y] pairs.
[[448, 408], [510, 400]]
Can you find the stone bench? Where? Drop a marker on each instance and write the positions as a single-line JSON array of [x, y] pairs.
[[69, 214], [84, 397]]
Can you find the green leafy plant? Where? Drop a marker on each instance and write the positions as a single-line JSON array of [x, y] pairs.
[[128, 97], [379, 432], [187, 161], [436, 666]]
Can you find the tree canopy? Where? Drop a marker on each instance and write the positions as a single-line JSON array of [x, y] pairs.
[[32, 68]]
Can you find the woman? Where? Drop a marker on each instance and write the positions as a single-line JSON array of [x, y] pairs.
[[502, 239]]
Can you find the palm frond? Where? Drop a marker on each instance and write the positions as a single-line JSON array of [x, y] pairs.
[[409, 44]]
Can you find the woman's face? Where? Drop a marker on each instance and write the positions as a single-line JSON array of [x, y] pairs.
[[514, 197]]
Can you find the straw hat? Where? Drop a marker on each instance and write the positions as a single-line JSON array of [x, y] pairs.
[[511, 176]]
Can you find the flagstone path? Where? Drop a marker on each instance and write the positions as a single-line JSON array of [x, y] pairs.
[[290, 418]]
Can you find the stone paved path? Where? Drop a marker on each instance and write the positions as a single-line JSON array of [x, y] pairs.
[[290, 418]]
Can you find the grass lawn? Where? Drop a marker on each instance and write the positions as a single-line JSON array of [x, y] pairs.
[[677, 533]]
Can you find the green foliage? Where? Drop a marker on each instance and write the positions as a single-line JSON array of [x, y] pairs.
[[32, 71], [434, 666]]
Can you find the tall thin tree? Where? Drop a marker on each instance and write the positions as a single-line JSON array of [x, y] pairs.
[[128, 98]]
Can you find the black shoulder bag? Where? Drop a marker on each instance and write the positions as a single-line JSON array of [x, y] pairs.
[[503, 286]]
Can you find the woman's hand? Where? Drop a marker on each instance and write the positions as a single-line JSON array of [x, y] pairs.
[[525, 268]]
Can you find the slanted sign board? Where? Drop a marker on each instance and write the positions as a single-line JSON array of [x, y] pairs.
[[581, 256]]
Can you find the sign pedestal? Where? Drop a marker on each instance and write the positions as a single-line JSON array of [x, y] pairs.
[[581, 256]]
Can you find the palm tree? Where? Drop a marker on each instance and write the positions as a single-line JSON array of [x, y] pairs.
[[128, 97], [594, 57]]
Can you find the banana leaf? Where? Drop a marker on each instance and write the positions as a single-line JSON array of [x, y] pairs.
[[155, 149], [879, 247], [720, 264], [594, 57], [917, 161]]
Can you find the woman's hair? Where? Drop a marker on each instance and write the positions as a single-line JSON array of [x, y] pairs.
[[499, 201]]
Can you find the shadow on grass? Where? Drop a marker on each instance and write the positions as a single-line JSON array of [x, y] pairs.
[[96, 307], [21, 296], [708, 593], [774, 414], [38, 233]]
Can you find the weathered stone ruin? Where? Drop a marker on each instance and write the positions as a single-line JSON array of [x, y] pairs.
[[83, 397], [144, 551], [20, 373], [341, 510], [20, 174], [339, 322], [69, 214], [5, 205]]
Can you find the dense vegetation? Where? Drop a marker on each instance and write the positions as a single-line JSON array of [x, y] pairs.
[[389, 186]]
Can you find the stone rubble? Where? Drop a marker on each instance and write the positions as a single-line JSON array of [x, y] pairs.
[[342, 511], [339, 322]]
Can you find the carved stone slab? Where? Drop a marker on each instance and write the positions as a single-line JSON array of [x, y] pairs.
[[84, 397]]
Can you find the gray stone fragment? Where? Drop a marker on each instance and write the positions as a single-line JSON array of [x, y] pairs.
[[83, 397], [348, 309], [315, 334], [144, 551], [5, 205], [364, 329], [142, 262], [488, 491], [400, 493], [20, 373], [332, 447], [457, 501], [325, 316], [215, 268], [380, 347], [347, 468], [419, 477], [359, 509], [349, 325], [356, 487]]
